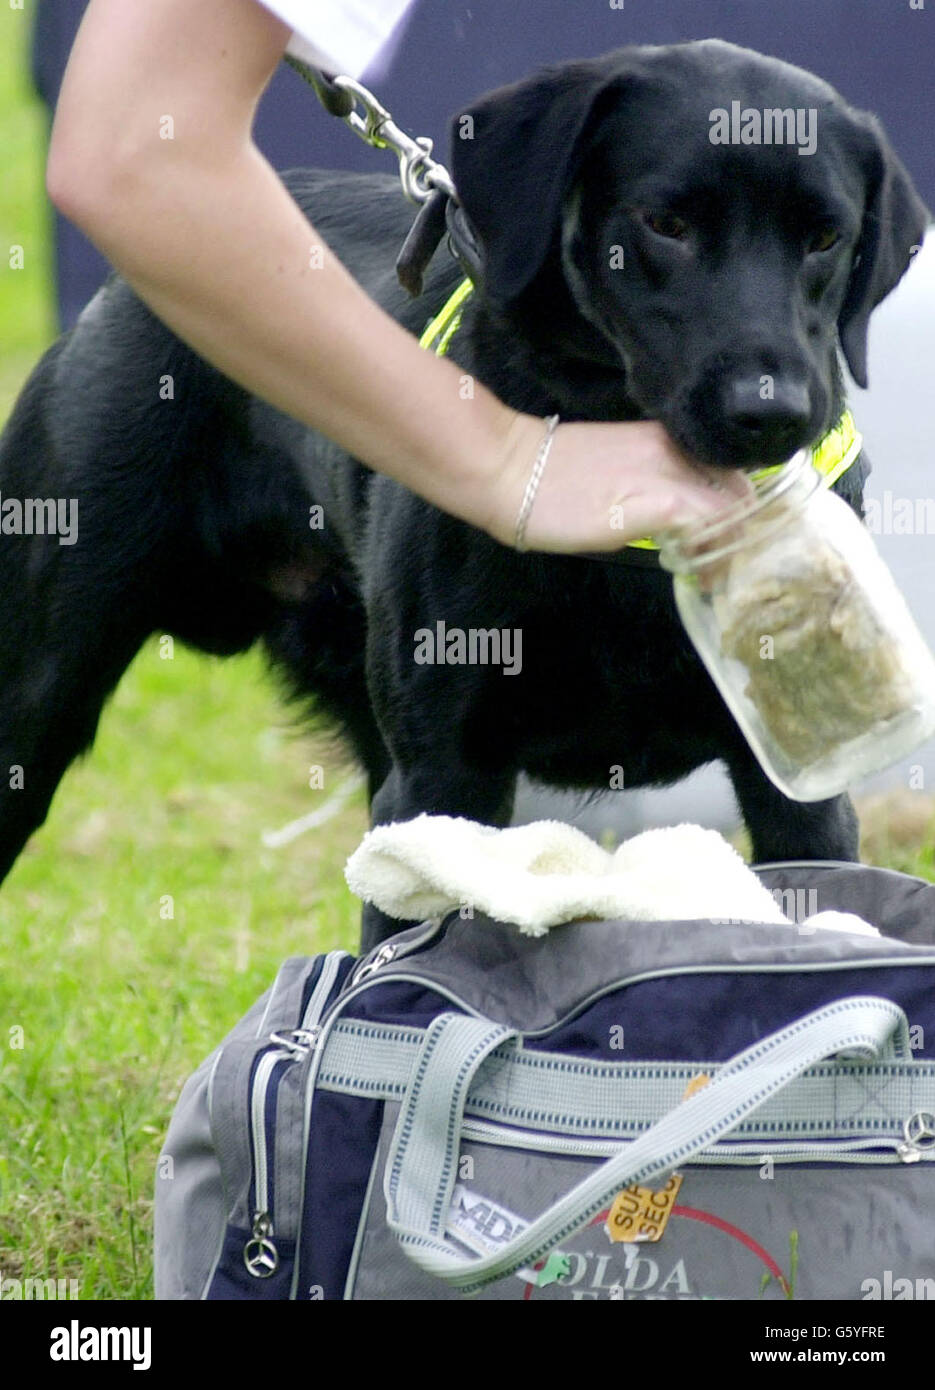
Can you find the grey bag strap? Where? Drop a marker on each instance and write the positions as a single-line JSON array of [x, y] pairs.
[[431, 1116], [422, 1160]]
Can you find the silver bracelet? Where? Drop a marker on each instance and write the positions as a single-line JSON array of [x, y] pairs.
[[538, 468]]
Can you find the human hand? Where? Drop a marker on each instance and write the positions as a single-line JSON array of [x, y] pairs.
[[604, 485]]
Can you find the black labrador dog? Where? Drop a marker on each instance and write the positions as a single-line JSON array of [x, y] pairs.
[[647, 253]]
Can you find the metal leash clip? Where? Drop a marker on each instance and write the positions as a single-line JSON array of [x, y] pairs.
[[424, 180], [419, 174]]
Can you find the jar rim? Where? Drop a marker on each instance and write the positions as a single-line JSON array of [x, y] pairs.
[[683, 547]]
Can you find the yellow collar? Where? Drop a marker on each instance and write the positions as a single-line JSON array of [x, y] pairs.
[[831, 456], [445, 324]]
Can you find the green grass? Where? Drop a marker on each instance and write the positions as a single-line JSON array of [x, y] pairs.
[[114, 1000], [26, 303], [117, 1000]]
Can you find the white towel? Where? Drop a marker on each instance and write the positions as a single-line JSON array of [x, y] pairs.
[[538, 876]]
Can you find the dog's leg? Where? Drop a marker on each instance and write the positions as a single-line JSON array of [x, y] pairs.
[[68, 624], [783, 829], [55, 683], [460, 791], [142, 552], [318, 645]]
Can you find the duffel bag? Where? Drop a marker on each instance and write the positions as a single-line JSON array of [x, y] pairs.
[[678, 1110]]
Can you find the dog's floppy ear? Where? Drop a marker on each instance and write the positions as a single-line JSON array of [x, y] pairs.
[[895, 219], [514, 154]]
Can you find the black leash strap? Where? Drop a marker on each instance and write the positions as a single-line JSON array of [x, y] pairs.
[[422, 242]]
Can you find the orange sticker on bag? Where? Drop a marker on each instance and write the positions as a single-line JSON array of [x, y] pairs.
[[639, 1213], [697, 1083]]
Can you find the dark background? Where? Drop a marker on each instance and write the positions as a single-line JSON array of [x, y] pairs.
[[879, 53]]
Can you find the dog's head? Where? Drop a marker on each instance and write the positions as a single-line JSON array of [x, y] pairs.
[[715, 223]]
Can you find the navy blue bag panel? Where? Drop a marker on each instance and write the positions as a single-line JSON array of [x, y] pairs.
[[263, 1079]]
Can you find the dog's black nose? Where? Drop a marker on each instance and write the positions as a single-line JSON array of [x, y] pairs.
[[765, 406]]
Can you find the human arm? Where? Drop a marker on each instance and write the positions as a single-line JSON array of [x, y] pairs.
[[210, 239]]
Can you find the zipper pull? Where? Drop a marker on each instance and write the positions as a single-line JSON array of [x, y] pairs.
[[383, 957], [298, 1041], [260, 1254], [919, 1130]]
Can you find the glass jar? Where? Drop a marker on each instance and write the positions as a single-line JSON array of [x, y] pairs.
[[804, 632]]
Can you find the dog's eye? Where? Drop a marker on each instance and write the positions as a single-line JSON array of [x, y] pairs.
[[667, 225], [824, 240]]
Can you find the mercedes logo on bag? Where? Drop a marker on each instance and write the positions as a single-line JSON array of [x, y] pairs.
[[260, 1254], [261, 1257], [920, 1129]]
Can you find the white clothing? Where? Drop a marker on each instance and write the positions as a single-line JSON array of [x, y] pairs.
[[339, 36]]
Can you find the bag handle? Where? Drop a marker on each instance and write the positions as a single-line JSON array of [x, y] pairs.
[[421, 1165]]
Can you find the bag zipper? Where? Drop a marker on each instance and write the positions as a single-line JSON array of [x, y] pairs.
[[353, 988], [917, 1144], [368, 966], [383, 956], [260, 1253], [390, 950]]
